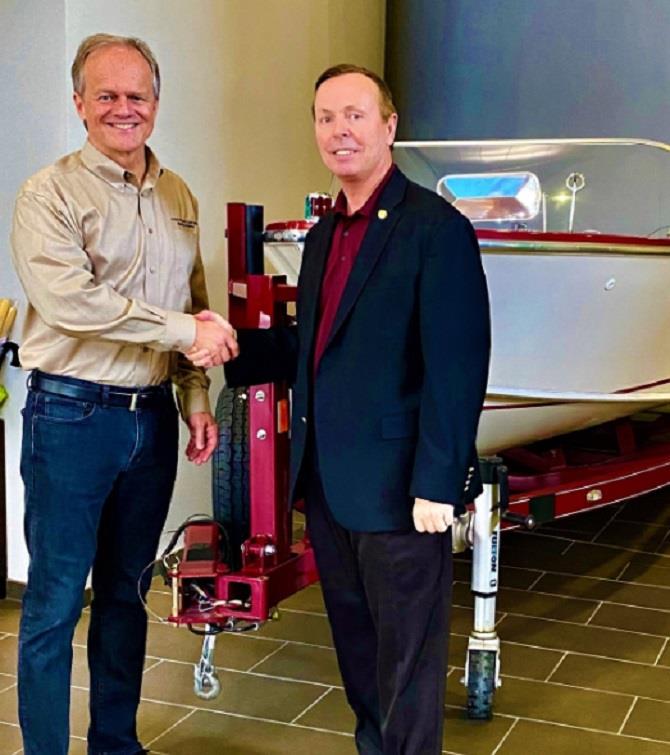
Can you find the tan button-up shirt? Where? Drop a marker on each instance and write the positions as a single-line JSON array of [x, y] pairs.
[[110, 269]]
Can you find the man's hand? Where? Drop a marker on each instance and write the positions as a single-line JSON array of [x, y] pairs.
[[430, 516], [204, 437], [215, 341]]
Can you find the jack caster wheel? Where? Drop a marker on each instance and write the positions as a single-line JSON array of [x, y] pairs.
[[481, 684]]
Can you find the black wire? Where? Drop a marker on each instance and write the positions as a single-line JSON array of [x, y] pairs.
[[217, 629]]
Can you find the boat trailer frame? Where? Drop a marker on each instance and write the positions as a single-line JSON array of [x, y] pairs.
[[522, 488]]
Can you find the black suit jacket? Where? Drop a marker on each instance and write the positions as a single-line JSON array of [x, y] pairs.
[[398, 392]]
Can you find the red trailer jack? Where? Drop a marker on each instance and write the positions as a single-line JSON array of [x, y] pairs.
[[234, 571]]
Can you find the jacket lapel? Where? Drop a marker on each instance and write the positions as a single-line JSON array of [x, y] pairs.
[[381, 224]]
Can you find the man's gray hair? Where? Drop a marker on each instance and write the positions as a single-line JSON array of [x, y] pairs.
[[97, 41]]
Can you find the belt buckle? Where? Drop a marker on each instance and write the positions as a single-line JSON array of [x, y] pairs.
[[133, 402]]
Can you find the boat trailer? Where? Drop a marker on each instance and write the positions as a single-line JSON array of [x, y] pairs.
[[235, 569]]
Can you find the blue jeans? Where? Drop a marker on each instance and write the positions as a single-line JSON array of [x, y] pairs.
[[98, 481]]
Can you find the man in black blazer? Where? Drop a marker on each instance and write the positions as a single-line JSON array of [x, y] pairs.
[[389, 363]]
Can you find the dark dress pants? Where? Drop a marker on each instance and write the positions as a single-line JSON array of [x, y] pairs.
[[388, 596], [98, 482]]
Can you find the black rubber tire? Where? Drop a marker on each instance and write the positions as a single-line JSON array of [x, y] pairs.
[[230, 470], [481, 684]]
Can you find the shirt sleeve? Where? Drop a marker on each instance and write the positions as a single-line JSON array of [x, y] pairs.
[[59, 281], [191, 381]]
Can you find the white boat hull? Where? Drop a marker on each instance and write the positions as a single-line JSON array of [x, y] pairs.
[[566, 324]]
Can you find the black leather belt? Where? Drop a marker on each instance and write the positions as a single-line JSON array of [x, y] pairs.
[[142, 397]]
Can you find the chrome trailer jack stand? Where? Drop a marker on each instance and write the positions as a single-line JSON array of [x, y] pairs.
[[482, 664]]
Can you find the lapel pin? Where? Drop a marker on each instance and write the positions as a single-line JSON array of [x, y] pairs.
[[382, 214]]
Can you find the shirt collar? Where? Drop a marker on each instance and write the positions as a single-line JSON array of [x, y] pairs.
[[113, 173], [340, 206]]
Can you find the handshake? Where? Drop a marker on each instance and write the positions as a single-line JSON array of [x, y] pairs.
[[215, 341]]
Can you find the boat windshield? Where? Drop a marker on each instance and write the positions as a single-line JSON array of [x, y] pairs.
[[608, 186]]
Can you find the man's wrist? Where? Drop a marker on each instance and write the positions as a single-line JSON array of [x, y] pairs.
[[180, 331]]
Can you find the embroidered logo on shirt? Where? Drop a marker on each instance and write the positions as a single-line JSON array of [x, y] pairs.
[[184, 223]]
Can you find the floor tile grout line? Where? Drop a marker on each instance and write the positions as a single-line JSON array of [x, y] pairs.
[[607, 524], [516, 643], [8, 687], [312, 704], [533, 583], [507, 733], [663, 542], [555, 669], [622, 572], [159, 661], [567, 547], [661, 651], [627, 716], [258, 718], [255, 674], [303, 612], [578, 653], [593, 577], [563, 596], [610, 692], [269, 655], [583, 626], [608, 546], [572, 726], [256, 638], [644, 524], [170, 728], [593, 614]]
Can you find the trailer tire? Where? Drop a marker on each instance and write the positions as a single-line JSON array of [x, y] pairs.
[[481, 684], [230, 470]]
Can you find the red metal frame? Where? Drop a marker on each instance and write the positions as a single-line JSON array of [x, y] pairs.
[[490, 234], [624, 459], [273, 568], [557, 480]]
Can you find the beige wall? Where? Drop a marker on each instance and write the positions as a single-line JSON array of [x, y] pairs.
[[234, 121]]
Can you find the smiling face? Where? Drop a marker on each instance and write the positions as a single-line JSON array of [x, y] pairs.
[[118, 105], [352, 136]]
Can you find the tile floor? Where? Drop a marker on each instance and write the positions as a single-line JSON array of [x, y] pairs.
[[584, 617]]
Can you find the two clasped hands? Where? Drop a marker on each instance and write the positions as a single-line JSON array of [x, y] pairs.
[[215, 343]]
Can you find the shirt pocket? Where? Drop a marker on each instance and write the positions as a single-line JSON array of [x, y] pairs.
[[185, 249]]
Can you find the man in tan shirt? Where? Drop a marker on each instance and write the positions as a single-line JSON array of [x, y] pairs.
[[106, 245]]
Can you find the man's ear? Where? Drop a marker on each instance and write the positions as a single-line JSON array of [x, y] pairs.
[[391, 126]]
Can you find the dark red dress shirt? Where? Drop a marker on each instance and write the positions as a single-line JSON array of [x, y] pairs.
[[347, 239]]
